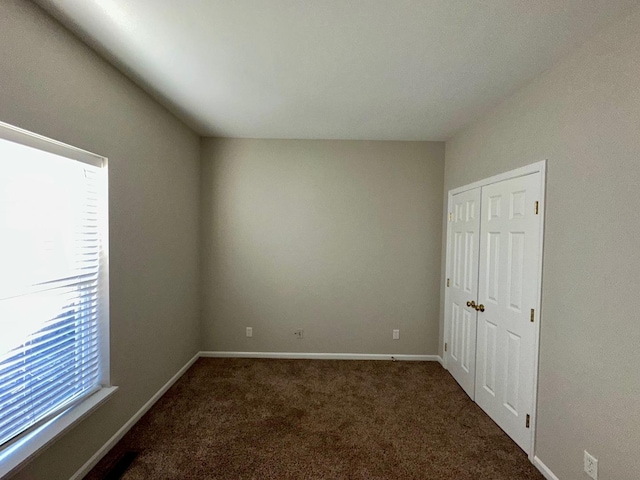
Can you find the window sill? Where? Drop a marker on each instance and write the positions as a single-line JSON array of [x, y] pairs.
[[17, 455]]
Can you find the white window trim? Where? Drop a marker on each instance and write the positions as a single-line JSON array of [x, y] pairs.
[[19, 453]]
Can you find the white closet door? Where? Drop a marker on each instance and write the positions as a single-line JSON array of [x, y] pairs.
[[508, 289], [464, 237]]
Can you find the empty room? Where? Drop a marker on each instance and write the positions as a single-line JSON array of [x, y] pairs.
[[296, 239]]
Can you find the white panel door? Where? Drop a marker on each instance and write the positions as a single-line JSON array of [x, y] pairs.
[[464, 228], [508, 290]]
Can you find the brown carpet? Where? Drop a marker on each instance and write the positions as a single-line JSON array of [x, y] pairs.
[[317, 419]]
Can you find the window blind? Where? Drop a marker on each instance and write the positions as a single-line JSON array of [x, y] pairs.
[[51, 240]]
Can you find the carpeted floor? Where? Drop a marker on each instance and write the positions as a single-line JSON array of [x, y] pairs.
[[317, 419]]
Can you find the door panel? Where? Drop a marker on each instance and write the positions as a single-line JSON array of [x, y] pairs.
[[508, 288], [464, 248]]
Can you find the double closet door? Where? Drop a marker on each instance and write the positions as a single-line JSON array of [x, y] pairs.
[[493, 261]]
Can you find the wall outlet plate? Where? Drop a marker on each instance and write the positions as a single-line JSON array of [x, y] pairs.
[[396, 334], [591, 465], [249, 331]]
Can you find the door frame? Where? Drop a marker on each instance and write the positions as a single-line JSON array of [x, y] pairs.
[[538, 167]]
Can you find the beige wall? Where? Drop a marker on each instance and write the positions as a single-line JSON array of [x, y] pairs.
[[339, 238], [343, 238], [584, 117], [52, 84]]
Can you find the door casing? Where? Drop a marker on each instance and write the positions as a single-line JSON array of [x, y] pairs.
[[519, 172]]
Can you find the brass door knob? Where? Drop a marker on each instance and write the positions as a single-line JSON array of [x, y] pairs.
[[480, 308], [472, 304]]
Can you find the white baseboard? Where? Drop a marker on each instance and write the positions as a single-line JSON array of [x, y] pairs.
[[86, 468], [546, 471], [322, 356], [440, 361]]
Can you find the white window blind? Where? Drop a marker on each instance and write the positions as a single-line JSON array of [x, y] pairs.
[[52, 262]]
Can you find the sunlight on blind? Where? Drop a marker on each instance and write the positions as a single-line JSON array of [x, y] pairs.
[[50, 250]]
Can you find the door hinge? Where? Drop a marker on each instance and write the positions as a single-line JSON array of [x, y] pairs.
[[450, 217], [528, 420], [445, 347], [536, 208], [448, 282], [533, 314]]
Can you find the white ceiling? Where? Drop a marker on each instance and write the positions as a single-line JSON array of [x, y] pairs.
[[333, 69]]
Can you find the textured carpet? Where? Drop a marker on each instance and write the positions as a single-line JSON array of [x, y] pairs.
[[315, 419]]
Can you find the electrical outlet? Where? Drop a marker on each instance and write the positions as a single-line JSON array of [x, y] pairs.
[[396, 334], [299, 333], [249, 331], [591, 465]]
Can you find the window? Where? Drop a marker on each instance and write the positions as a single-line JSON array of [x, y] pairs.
[[53, 282]]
